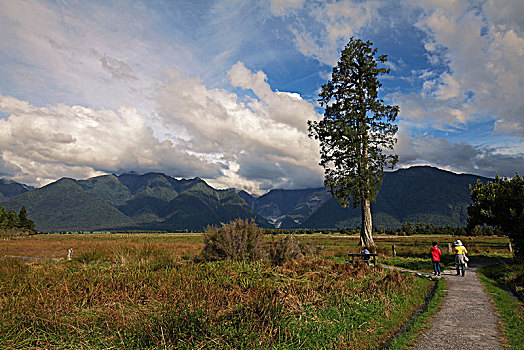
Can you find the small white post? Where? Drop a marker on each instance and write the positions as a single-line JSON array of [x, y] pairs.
[[69, 253]]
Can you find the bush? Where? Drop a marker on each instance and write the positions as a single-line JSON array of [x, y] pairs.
[[290, 248], [238, 240]]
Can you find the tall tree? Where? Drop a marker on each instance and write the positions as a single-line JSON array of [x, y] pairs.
[[500, 203], [356, 131], [24, 222]]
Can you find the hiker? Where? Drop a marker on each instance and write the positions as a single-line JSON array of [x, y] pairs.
[[366, 252], [460, 257], [435, 257]]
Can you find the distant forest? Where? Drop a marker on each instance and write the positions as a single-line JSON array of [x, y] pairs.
[[11, 220]]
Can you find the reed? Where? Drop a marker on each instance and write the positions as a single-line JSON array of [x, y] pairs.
[[143, 297]]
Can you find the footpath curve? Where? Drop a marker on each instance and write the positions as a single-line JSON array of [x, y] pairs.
[[467, 319]]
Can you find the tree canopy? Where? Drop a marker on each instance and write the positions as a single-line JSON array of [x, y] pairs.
[[356, 130], [500, 203], [10, 220]]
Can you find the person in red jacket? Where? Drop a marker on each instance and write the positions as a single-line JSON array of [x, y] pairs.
[[435, 257]]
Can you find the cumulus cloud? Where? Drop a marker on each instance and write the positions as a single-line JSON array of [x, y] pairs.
[[262, 138], [92, 54], [41, 144], [457, 156], [323, 28], [482, 47]]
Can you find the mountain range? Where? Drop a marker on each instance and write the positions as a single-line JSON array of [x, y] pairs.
[[156, 201]]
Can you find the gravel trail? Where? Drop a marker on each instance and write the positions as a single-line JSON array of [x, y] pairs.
[[467, 319]]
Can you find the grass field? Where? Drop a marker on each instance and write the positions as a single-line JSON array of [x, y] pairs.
[[498, 279], [145, 291]]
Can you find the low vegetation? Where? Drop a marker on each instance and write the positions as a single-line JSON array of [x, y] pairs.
[[498, 279], [144, 298], [15, 224], [147, 291], [239, 240], [243, 240], [421, 323]]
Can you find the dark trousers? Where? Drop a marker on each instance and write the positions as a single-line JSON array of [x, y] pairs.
[[436, 267]]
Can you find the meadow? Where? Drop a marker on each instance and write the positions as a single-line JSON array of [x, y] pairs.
[[146, 291]]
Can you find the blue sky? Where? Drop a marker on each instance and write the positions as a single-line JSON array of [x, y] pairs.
[[223, 89]]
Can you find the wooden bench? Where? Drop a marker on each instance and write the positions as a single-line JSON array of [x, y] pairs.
[[368, 258]]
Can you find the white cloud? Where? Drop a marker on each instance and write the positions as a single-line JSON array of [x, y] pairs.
[[39, 145], [459, 157], [84, 53], [482, 47], [323, 28], [263, 140]]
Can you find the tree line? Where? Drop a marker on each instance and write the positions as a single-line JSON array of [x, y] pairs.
[[407, 229], [11, 220]]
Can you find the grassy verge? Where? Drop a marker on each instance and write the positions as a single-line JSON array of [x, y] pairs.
[[423, 264], [511, 311], [421, 323], [145, 298]]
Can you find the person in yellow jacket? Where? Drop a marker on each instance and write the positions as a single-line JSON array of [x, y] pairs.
[[460, 257]]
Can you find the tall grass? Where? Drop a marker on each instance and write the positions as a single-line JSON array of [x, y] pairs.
[[144, 297], [495, 279], [144, 291]]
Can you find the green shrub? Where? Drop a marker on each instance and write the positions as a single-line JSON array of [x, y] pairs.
[[240, 240], [289, 248]]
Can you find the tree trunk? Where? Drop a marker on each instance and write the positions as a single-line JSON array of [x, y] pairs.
[[366, 238]]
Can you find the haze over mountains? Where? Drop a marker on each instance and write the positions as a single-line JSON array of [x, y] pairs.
[[157, 201]]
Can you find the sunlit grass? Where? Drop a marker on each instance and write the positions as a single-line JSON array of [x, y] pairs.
[[421, 323], [144, 297], [145, 291], [511, 311]]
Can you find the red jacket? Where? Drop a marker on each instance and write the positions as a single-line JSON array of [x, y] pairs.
[[435, 253]]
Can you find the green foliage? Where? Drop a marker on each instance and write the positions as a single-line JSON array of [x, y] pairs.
[[355, 131], [509, 276], [421, 323], [356, 127], [500, 203], [511, 311], [10, 220], [240, 240], [408, 228]]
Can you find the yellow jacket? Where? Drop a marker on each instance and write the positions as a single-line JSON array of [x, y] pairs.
[[460, 249]]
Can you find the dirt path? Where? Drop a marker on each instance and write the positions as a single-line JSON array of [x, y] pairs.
[[467, 319]]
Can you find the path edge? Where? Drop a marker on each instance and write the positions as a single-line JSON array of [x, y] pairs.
[[420, 311]]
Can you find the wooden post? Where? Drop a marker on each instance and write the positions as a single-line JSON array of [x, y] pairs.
[[70, 254], [449, 248], [510, 247], [394, 250]]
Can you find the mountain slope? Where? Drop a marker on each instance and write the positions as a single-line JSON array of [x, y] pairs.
[[292, 205], [156, 201], [208, 207], [64, 205], [131, 201], [416, 194], [9, 189]]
